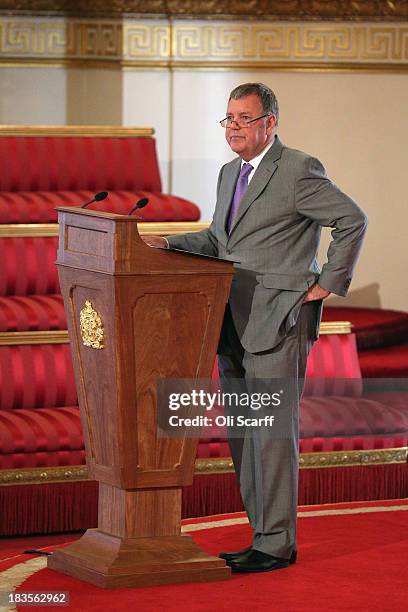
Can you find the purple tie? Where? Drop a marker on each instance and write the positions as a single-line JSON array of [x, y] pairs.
[[240, 189]]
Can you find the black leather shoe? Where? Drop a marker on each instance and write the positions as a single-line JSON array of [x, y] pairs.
[[257, 561], [229, 556]]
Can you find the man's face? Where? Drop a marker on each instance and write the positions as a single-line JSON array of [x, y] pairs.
[[248, 141]]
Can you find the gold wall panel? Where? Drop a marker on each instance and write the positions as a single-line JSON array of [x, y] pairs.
[[57, 38], [158, 43], [146, 41], [289, 42]]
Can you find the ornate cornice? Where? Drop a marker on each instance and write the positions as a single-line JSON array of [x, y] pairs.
[[136, 43], [304, 10], [216, 465]]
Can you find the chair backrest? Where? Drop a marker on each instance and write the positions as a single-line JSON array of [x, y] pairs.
[[28, 266], [333, 367], [48, 158], [36, 376]]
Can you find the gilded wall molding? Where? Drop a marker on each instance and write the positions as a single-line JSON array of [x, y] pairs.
[[215, 465], [44, 230], [28, 230], [201, 44], [221, 9], [77, 131], [60, 336]]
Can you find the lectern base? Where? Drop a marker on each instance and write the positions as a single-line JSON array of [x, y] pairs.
[[108, 561]]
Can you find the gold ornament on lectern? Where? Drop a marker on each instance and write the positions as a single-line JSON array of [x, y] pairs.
[[91, 327]]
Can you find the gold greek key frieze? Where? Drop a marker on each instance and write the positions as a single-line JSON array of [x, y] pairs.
[[162, 43], [290, 42], [146, 41], [91, 327], [70, 38]]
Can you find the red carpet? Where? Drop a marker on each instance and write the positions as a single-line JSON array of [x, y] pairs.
[[351, 557]]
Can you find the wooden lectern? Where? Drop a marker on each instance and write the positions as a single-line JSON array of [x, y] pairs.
[[135, 315]]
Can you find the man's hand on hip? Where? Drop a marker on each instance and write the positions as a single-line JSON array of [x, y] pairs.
[[316, 293], [158, 242]]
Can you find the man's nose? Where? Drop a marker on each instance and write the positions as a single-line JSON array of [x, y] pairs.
[[234, 124]]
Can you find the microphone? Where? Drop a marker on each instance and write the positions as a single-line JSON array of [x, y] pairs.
[[97, 198], [140, 204]]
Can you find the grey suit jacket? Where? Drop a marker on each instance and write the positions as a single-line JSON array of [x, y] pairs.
[[275, 238]]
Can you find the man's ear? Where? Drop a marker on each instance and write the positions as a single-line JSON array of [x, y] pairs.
[[271, 123]]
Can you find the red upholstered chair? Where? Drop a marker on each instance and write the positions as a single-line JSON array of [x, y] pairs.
[[39, 206], [335, 413], [39, 418], [42, 168], [28, 266], [385, 362], [50, 166], [71, 158], [374, 327], [32, 313], [40, 424], [36, 376], [382, 339], [43, 437]]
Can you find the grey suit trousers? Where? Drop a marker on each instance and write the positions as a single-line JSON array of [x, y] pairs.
[[267, 468]]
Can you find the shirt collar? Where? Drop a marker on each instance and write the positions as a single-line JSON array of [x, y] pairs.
[[257, 160]]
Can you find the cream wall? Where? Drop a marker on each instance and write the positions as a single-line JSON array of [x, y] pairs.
[[93, 96], [147, 101], [33, 95], [355, 123], [59, 95]]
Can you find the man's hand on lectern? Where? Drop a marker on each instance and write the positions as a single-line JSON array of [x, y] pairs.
[[158, 242]]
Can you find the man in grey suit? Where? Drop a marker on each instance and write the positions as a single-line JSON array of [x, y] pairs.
[[272, 202]]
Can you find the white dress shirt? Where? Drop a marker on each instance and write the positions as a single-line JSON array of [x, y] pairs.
[[257, 160]]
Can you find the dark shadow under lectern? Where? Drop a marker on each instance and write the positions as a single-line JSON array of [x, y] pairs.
[[135, 314]]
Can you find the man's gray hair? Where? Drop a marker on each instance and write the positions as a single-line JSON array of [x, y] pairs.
[[264, 93]]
